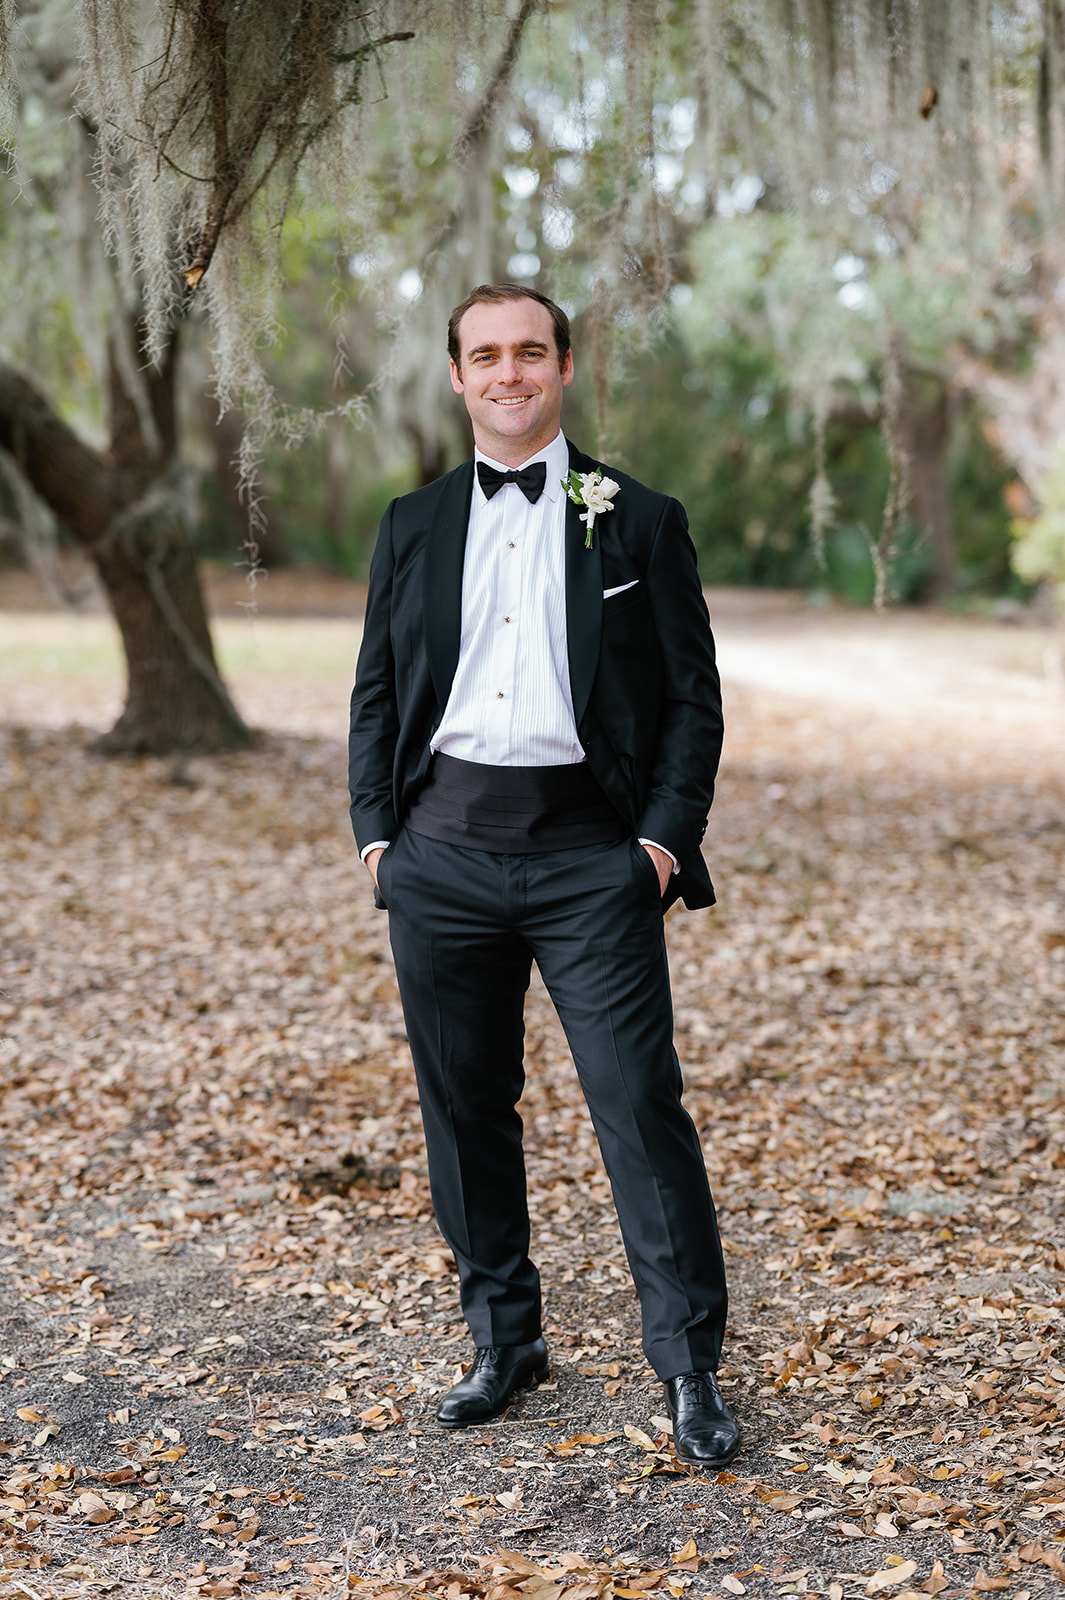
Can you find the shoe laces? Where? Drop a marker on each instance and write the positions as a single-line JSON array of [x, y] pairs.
[[693, 1385], [485, 1353]]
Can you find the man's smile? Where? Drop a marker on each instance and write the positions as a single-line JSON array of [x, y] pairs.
[[511, 399]]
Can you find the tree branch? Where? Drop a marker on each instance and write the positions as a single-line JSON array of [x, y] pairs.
[[480, 123], [235, 149], [68, 474], [225, 174]]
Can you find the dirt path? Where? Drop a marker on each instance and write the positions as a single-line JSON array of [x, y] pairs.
[[221, 1345]]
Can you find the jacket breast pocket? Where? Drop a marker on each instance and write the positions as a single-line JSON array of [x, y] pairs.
[[623, 600]]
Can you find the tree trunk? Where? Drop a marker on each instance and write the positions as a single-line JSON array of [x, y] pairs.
[[125, 507], [224, 434], [927, 428], [175, 699], [337, 518], [430, 452]]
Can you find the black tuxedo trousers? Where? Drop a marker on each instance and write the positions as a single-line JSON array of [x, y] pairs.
[[465, 927]]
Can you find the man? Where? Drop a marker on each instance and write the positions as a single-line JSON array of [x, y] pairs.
[[535, 733]]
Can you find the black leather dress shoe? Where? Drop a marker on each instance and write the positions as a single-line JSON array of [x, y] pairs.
[[704, 1435], [497, 1373]]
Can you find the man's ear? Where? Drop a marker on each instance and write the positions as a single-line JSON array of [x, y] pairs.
[[456, 380], [567, 368]]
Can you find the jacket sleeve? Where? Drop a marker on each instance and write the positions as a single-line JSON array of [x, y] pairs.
[[692, 727], [374, 727]]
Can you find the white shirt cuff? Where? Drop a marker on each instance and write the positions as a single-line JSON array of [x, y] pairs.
[[378, 844], [665, 852]]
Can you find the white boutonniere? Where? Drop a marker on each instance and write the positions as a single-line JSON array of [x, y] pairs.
[[592, 491]]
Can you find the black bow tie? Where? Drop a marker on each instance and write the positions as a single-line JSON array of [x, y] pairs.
[[530, 480]]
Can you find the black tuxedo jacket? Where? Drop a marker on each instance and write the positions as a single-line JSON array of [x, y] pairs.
[[646, 693]]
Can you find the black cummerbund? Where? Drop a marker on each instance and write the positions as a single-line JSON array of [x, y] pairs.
[[514, 810]]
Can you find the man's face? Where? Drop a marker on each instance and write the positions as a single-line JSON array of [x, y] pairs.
[[510, 378]]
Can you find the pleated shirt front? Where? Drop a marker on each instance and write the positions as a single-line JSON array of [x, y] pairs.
[[510, 703]]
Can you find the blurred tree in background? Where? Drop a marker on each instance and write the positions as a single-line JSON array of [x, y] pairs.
[[147, 136], [809, 247]]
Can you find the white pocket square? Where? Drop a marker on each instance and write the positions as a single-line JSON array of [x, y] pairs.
[[609, 593]]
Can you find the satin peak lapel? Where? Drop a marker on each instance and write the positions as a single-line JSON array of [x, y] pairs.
[[584, 597], [442, 599]]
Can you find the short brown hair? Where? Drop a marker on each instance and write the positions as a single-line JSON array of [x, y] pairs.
[[494, 294]]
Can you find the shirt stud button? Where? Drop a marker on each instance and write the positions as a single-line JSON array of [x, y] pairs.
[[499, 696]]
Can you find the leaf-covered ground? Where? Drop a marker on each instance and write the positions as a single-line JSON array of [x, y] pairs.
[[226, 1316]]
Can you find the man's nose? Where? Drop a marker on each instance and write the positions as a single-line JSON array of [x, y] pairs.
[[509, 371]]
